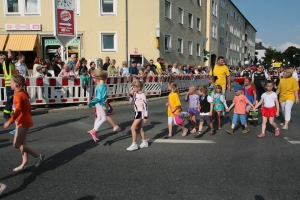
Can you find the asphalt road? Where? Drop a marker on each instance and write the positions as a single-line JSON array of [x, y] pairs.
[[222, 166]]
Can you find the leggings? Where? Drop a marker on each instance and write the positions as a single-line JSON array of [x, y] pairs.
[[286, 108], [101, 117]]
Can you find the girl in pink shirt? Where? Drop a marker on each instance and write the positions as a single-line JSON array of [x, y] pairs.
[[239, 101]]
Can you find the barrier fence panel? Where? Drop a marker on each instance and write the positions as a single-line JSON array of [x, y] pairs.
[[69, 90]]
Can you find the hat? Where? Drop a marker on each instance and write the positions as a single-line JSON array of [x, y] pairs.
[[133, 61], [238, 87], [246, 62]]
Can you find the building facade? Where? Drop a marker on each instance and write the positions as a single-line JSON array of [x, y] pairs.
[[128, 30]]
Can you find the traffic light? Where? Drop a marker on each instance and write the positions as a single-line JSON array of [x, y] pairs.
[[206, 55]]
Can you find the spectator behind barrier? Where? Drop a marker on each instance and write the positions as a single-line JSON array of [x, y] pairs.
[[66, 72]]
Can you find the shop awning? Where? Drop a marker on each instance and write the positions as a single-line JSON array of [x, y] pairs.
[[2, 41], [21, 42]]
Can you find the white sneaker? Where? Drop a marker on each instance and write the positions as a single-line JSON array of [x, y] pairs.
[[282, 124], [144, 144], [285, 127], [2, 188], [133, 147]]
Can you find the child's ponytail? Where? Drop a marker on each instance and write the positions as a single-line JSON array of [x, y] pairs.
[[174, 87]]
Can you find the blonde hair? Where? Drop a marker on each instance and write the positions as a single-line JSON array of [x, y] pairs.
[[173, 86], [193, 87], [218, 87], [138, 83], [112, 61], [288, 73], [100, 74], [2, 56], [20, 80], [38, 68], [203, 89]]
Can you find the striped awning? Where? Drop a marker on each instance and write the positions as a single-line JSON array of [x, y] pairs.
[[2, 41], [21, 42]]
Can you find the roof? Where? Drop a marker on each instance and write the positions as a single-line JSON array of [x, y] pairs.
[[259, 46]]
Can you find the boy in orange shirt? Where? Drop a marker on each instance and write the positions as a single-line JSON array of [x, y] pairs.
[[239, 101]]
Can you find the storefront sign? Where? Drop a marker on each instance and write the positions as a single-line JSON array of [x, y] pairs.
[[23, 27]]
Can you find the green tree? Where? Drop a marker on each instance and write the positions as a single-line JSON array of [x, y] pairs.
[[289, 53]]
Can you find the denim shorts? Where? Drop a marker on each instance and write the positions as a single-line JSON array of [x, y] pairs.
[[242, 118]]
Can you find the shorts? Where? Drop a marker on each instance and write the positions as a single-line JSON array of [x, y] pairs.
[[242, 118], [193, 111], [171, 120], [268, 112], [138, 115], [205, 118]]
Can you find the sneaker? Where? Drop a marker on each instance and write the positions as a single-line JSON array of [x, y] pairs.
[[115, 129], [282, 124], [198, 135], [2, 188], [262, 135], [285, 127], [212, 132], [277, 132], [133, 147], [144, 144], [246, 130], [184, 133], [12, 131], [230, 131]]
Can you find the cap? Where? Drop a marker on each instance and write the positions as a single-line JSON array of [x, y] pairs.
[[246, 62], [238, 87]]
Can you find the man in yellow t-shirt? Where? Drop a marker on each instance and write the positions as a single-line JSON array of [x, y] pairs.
[[222, 72], [158, 67]]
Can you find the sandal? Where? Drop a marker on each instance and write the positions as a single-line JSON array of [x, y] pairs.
[[21, 168], [39, 160]]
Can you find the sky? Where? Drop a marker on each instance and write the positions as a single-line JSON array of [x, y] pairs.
[[277, 21]]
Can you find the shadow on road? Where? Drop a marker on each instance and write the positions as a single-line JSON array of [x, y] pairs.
[[88, 197], [259, 197], [51, 164]]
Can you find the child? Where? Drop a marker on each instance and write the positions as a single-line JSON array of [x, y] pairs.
[[219, 104], [250, 93], [23, 117], [138, 98], [174, 107], [83, 73], [39, 72], [99, 77], [239, 101], [211, 88], [193, 99], [270, 108], [205, 108]]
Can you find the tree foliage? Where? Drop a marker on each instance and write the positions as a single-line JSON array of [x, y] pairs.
[[288, 55]]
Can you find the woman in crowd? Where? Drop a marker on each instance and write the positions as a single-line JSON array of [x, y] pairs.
[[66, 72], [112, 70], [57, 66]]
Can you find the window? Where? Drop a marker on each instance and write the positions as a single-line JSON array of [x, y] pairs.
[[223, 4], [167, 43], [22, 7], [199, 2], [214, 31], [198, 49], [222, 41], [214, 7], [108, 7], [168, 9], [108, 41], [222, 22], [198, 24], [190, 20], [180, 15], [231, 12], [180, 45], [190, 48]]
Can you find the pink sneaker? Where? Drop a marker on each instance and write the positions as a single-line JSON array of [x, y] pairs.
[[262, 135], [184, 133], [277, 132], [116, 129], [94, 135]]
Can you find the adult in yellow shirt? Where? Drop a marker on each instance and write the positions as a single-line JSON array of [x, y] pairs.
[[158, 67], [222, 72], [288, 95]]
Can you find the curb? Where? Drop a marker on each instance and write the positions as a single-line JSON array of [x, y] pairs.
[[42, 111]]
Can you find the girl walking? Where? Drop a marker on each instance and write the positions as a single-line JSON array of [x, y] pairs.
[[22, 115], [211, 87], [250, 93], [138, 98], [270, 109], [219, 104], [99, 77], [174, 107], [205, 108], [193, 99]]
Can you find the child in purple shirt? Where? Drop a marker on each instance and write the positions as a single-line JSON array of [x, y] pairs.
[[193, 99]]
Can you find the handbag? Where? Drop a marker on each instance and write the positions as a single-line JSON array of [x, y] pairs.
[[181, 116]]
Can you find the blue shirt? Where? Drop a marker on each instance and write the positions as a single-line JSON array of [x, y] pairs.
[[133, 70], [100, 96], [71, 65]]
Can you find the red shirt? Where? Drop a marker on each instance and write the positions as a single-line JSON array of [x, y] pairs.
[[251, 90]]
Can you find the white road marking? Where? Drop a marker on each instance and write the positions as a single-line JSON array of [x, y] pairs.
[[181, 141], [294, 142]]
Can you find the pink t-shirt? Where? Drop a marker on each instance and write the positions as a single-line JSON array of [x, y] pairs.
[[65, 73], [240, 104]]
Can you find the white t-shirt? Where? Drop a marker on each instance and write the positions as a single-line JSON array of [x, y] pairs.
[[269, 99], [38, 74], [175, 70], [295, 75], [209, 100], [125, 71]]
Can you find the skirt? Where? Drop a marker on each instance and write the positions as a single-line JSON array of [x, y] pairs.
[[108, 113], [193, 111], [268, 112]]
